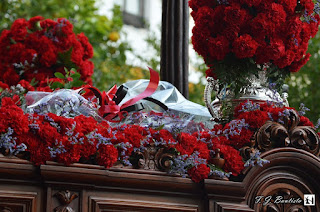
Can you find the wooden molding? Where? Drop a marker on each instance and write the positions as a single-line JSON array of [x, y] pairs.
[[17, 201], [110, 204], [229, 206]]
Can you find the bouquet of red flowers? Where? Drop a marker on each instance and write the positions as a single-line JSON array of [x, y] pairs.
[[235, 36], [34, 50]]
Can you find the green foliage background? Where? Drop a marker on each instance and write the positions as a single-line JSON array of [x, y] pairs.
[[304, 86]]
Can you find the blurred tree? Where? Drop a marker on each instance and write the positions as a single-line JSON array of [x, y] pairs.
[[103, 32], [305, 85]]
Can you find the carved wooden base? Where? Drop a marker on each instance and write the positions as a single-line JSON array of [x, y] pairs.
[[290, 174]]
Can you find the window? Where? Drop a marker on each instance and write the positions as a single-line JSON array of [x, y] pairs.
[[133, 12]]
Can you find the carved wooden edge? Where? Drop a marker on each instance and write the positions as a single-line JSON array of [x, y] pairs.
[[153, 180], [292, 171], [23, 199], [228, 206], [288, 133], [103, 203]]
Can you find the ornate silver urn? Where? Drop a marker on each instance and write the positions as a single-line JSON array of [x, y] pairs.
[[225, 101]]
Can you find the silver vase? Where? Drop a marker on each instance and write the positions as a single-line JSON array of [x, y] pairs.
[[258, 90]]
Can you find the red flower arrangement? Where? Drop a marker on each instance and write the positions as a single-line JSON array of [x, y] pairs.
[[34, 50], [48, 137], [231, 34]]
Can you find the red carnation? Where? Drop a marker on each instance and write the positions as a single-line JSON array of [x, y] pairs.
[[38, 51], [234, 14], [196, 4], [285, 60], [199, 41], [245, 46], [88, 50], [48, 23], [72, 154], [19, 29], [15, 53], [107, 155], [276, 49], [238, 141], [48, 58], [218, 47], [3, 85], [255, 119], [260, 26], [210, 73], [186, 144], [39, 153], [26, 85], [307, 5], [86, 71], [304, 121], [288, 5], [10, 77], [296, 66], [277, 14], [33, 21], [14, 116], [251, 3], [198, 173], [163, 136], [231, 32], [233, 160]]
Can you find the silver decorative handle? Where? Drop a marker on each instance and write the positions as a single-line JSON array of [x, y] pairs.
[[212, 85]]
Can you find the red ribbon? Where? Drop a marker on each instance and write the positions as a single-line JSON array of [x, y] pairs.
[[109, 109]]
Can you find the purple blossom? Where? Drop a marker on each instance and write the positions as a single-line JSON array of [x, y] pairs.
[[59, 148], [318, 124], [302, 109], [249, 106], [7, 141], [220, 173], [255, 159], [181, 163]]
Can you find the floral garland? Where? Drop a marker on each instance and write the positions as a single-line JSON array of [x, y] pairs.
[[233, 36], [34, 51], [48, 137]]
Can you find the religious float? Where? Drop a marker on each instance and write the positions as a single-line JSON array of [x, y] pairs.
[[66, 146]]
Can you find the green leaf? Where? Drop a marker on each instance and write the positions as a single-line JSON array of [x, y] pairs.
[[56, 85], [33, 82], [59, 75], [68, 85], [77, 83], [65, 59], [75, 76]]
